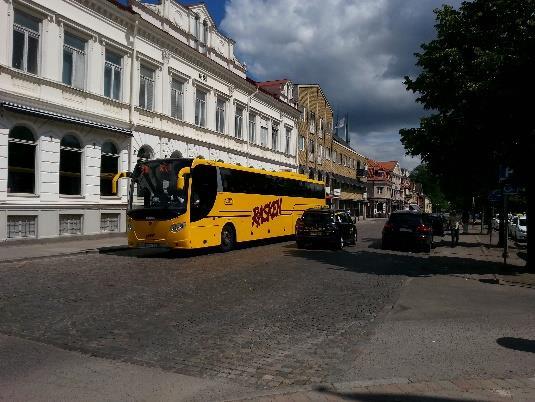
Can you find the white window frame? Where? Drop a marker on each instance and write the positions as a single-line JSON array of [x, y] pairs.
[[177, 95], [76, 82], [200, 107], [238, 122], [275, 137], [28, 32], [288, 141], [252, 128], [147, 82], [114, 68], [301, 142], [220, 114]]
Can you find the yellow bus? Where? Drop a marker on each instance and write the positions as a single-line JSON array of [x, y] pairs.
[[195, 203]]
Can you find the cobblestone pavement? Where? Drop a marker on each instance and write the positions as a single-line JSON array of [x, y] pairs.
[[264, 316]]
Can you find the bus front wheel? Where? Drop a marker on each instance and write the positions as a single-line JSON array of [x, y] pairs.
[[228, 238]]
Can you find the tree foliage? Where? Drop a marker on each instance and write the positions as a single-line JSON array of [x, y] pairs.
[[477, 84], [430, 187]]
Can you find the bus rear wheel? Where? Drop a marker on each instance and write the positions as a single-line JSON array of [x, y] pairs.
[[228, 238]]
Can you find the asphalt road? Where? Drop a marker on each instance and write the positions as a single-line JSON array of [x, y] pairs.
[[265, 315], [270, 315]]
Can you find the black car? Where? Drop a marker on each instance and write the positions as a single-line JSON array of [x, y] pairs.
[[408, 229], [335, 228]]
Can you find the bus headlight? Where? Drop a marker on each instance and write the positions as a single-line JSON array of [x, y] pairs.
[[177, 227]]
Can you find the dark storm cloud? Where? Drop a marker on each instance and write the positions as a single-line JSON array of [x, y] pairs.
[[357, 50]]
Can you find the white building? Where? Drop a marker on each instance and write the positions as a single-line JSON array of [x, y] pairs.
[[89, 86]]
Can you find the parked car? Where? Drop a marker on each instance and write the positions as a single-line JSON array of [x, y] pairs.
[[335, 228], [520, 232], [438, 224], [408, 229]]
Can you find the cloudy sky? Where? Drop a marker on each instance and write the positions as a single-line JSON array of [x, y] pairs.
[[357, 50]]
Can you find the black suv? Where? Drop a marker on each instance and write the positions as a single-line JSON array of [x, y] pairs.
[[408, 229], [333, 227]]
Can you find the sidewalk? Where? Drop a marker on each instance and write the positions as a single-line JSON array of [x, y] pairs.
[[393, 390], [33, 249], [477, 246]]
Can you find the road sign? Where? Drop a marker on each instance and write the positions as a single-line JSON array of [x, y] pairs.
[[495, 196], [510, 189]]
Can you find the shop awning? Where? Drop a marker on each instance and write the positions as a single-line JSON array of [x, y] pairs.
[[14, 107]]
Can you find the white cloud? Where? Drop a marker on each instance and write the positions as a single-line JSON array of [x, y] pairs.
[[357, 50]]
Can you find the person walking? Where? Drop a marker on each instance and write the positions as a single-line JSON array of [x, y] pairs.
[[455, 226]]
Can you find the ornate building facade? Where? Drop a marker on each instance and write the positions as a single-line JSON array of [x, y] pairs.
[[88, 87]]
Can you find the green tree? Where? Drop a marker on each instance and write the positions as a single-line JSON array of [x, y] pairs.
[[430, 187], [476, 83]]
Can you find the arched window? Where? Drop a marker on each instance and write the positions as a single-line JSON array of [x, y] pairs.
[[109, 166], [70, 166], [144, 153], [176, 154], [21, 161], [320, 176]]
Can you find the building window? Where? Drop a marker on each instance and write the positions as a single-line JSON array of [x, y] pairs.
[[263, 134], [144, 153], [25, 42], [252, 128], [21, 161], [109, 166], [321, 127], [73, 60], [312, 119], [109, 222], [112, 75], [70, 224], [328, 154], [238, 122], [301, 143], [379, 190], [200, 108], [220, 115], [177, 98], [275, 138], [287, 149], [146, 87], [70, 166], [197, 27], [335, 156], [21, 226]]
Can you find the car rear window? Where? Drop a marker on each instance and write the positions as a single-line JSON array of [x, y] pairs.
[[405, 219], [523, 222], [316, 217]]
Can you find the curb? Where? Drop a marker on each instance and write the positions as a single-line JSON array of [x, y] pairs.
[[73, 253]]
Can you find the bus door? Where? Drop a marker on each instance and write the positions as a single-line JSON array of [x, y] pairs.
[[205, 230]]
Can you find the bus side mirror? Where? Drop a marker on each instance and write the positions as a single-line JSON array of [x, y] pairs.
[[181, 181], [116, 178]]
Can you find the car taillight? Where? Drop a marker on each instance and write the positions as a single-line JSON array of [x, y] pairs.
[[423, 229], [388, 227]]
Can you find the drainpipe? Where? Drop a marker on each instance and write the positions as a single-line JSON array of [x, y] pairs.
[[248, 116], [132, 87]]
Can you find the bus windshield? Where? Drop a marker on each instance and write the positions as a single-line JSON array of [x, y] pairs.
[[154, 186]]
